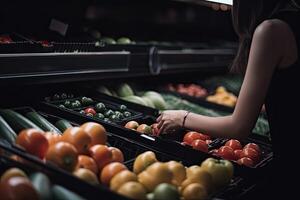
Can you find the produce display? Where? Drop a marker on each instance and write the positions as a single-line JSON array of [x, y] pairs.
[[94, 109], [17, 184], [223, 97], [152, 179]]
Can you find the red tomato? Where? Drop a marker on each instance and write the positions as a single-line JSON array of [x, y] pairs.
[[226, 152], [234, 144], [246, 161], [253, 146], [190, 136], [33, 141], [238, 153], [90, 110], [200, 145], [250, 153]]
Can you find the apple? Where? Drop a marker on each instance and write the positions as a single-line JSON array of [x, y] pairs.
[[132, 125], [144, 128]]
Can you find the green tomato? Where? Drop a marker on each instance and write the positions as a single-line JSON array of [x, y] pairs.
[[113, 117], [109, 113], [166, 191], [100, 116], [123, 40], [220, 170], [100, 107], [106, 120], [127, 114], [61, 106], [67, 103], [123, 108]]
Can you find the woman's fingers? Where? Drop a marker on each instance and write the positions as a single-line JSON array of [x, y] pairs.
[[159, 118], [162, 128], [160, 123]]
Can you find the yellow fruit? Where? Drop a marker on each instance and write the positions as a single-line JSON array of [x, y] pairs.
[[194, 191], [143, 161], [120, 178], [86, 175], [196, 174], [154, 175], [178, 170], [12, 172], [133, 190]]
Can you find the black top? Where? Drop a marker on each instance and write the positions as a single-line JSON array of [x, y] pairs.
[[283, 107]]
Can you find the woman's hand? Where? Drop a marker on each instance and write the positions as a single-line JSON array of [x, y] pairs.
[[170, 121]]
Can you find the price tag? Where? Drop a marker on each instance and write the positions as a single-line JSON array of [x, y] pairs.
[[58, 26]]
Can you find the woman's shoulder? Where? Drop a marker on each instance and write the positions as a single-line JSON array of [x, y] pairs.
[[273, 28]]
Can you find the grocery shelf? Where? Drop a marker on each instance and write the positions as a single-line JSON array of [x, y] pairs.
[[194, 59], [52, 65]]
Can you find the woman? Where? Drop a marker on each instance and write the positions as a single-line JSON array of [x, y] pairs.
[[268, 56]]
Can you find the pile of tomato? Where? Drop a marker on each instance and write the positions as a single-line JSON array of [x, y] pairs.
[[197, 140], [249, 155], [79, 150]]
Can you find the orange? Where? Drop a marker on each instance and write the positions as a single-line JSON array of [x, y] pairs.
[[117, 154], [110, 170], [101, 154], [78, 137], [96, 131], [33, 141], [63, 154], [87, 162]]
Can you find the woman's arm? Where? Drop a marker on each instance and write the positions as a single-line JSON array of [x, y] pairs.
[[267, 51]]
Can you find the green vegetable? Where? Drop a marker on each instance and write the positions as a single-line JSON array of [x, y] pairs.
[[123, 108], [100, 116], [6, 132], [63, 124], [108, 40], [166, 191], [100, 107], [67, 103], [109, 113], [127, 114], [82, 112], [123, 40], [124, 90], [61, 106], [86, 101], [61, 193], [17, 121], [42, 185], [41, 122]]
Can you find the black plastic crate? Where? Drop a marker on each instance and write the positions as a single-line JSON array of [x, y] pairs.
[[265, 146], [108, 104]]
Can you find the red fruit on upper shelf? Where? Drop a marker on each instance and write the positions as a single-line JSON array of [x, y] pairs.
[[188, 89]]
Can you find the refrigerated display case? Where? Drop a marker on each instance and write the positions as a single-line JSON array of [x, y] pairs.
[[56, 53]]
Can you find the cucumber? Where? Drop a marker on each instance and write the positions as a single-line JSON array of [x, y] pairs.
[[61, 193], [63, 124], [17, 121], [41, 122], [6, 132], [42, 185]]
